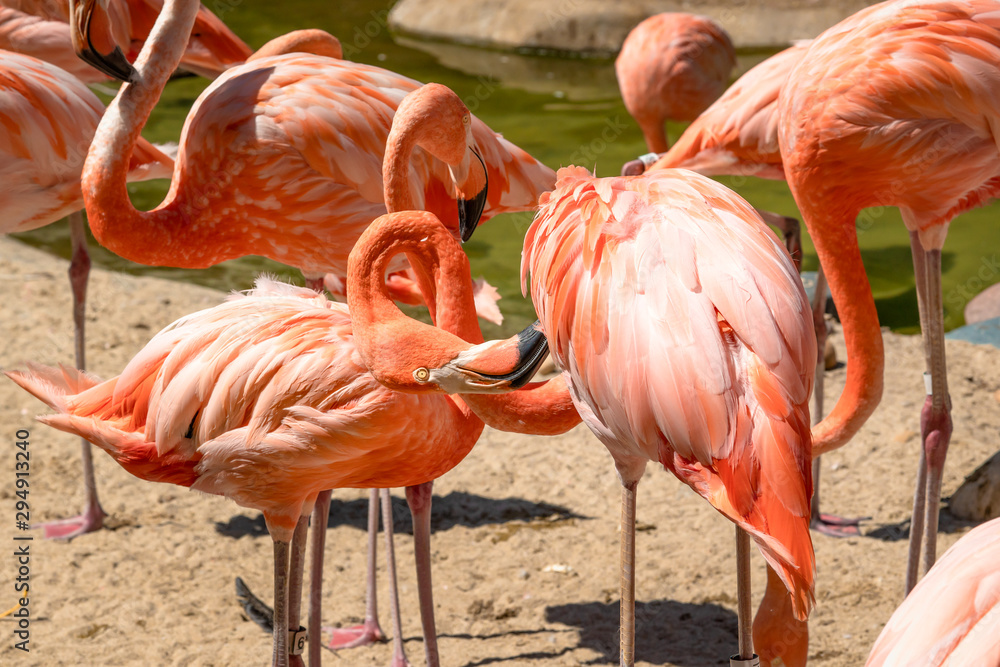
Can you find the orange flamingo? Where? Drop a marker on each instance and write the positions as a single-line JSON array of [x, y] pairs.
[[264, 399], [672, 66], [287, 150], [687, 339], [952, 617], [912, 122], [41, 29], [738, 135], [50, 118]]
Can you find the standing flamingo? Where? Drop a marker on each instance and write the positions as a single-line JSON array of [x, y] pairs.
[[686, 336], [264, 399], [912, 121], [672, 66], [41, 29], [738, 135], [50, 119], [952, 617]]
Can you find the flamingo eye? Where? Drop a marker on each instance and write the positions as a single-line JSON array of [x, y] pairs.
[[466, 120], [421, 375]]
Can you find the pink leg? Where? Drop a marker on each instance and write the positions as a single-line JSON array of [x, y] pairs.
[[279, 656], [419, 500], [627, 620], [370, 632], [935, 417], [296, 569], [398, 654], [827, 524], [79, 269], [321, 513]]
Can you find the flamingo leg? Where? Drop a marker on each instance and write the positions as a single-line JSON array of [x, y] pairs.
[[935, 417], [398, 654], [93, 515], [419, 499], [627, 622], [791, 233], [827, 524], [743, 595], [369, 632], [320, 517], [776, 631], [296, 569], [279, 657]]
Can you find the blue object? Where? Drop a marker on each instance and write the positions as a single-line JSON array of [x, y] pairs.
[[986, 332]]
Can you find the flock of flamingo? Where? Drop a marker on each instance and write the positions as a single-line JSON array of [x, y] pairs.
[[676, 317]]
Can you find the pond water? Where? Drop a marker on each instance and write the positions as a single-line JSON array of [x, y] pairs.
[[561, 110]]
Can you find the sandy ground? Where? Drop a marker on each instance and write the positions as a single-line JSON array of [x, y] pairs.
[[156, 588]]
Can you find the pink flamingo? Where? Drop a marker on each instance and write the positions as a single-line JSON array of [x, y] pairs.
[[912, 122], [264, 399], [686, 337], [50, 119], [738, 135], [41, 29], [952, 617], [672, 66]]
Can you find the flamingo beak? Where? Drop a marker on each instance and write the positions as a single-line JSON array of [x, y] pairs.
[[112, 63], [471, 210], [493, 367]]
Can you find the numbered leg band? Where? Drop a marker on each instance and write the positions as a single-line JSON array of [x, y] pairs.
[[648, 159], [297, 640], [737, 661]]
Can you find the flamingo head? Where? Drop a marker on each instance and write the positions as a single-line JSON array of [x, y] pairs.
[[442, 125], [90, 30]]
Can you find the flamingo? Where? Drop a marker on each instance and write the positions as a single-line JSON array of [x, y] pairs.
[[686, 338], [41, 29], [672, 66], [952, 617], [738, 135], [312, 132], [894, 106], [50, 118], [264, 399]]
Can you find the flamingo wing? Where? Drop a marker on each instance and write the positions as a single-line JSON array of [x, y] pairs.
[[952, 616], [688, 340]]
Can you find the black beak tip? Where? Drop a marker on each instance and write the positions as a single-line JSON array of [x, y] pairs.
[[114, 64], [470, 211], [532, 347]]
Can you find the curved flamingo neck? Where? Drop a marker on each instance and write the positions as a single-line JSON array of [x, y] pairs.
[[115, 222], [540, 408], [396, 165], [655, 133], [836, 244]]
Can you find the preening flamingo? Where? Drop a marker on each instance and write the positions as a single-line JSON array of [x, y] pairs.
[[687, 339], [952, 617], [41, 29], [911, 119], [50, 118], [282, 157], [672, 66], [738, 136], [265, 399]]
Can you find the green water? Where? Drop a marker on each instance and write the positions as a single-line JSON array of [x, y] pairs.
[[561, 110]]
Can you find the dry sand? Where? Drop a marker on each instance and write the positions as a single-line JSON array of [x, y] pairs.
[[526, 543]]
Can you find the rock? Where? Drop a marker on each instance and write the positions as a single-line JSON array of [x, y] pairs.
[[983, 306], [978, 499], [598, 27]]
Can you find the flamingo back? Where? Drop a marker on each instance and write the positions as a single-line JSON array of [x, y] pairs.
[[899, 105], [952, 617], [298, 140], [688, 340], [738, 134], [49, 119], [263, 399]]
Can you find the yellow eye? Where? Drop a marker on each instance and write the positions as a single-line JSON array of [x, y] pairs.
[[466, 120], [421, 375]]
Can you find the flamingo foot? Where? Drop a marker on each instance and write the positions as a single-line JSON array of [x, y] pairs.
[[353, 637], [66, 529], [837, 526]]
